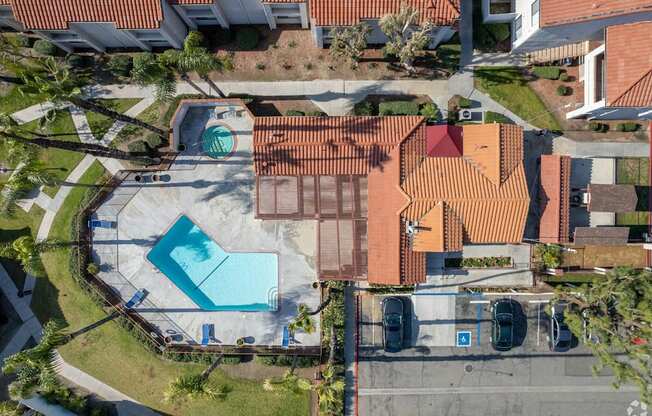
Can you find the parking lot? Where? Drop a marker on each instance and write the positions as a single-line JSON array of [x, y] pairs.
[[476, 379]]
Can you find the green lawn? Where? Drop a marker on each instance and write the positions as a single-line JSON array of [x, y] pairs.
[[100, 124], [61, 162], [11, 100], [508, 87], [115, 357], [634, 171], [22, 223]]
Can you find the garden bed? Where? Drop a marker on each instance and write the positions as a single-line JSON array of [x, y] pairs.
[[478, 262]]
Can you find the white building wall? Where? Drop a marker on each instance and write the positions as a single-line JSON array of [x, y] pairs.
[[244, 12], [172, 27]]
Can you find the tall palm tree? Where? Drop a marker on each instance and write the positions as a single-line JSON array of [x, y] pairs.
[[303, 320], [330, 391], [150, 69], [196, 385], [59, 85], [194, 57], [27, 251], [12, 132], [288, 382], [34, 368]]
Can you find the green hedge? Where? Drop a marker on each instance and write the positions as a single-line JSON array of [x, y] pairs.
[[403, 108], [479, 262], [120, 65], [286, 360], [45, 47], [364, 108], [547, 72], [628, 127], [493, 117], [599, 127], [294, 113], [247, 38]]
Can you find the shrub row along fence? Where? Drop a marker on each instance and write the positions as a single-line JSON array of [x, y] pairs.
[[106, 296]]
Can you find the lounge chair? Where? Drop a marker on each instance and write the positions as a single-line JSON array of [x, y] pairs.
[[286, 338], [136, 299], [101, 224], [206, 334]]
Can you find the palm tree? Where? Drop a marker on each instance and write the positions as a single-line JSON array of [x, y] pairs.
[[34, 368], [303, 320], [289, 382], [330, 391], [60, 85], [150, 69], [12, 132], [28, 252], [196, 385], [196, 58]]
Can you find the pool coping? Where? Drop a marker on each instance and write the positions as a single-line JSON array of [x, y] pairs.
[[192, 219]]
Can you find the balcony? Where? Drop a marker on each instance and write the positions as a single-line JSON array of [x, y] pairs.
[[498, 11]]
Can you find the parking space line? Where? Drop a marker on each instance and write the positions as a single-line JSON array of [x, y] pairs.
[[538, 321], [479, 301], [479, 315]]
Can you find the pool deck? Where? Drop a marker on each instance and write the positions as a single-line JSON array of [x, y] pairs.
[[218, 196]]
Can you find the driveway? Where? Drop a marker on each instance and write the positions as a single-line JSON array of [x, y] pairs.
[[476, 380]]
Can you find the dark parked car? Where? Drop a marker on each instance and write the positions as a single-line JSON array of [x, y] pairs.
[[560, 335], [502, 331], [392, 324]]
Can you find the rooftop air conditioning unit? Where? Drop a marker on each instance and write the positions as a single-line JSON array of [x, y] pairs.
[[464, 114]]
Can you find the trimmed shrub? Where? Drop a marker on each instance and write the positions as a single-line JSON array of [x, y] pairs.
[[547, 72], [431, 112], [93, 268], [493, 117], [364, 108], [22, 40], [44, 47], [78, 61], [247, 38], [564, 77], [260, 66], [563, 90], [294, 113], [464, 102], [231, 360], [599, 127], [120, 65], [316, 113], [628, 127], [403, 108]]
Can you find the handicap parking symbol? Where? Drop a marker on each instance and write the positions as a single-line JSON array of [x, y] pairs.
[[463, 338]]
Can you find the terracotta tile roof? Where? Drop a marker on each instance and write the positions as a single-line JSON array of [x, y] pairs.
[[350, 12], [494, 149], [326, 145], [558, 12], [629, 65], [444, 141], [5, 2], [57, 14], [440, 230], [554, 225]]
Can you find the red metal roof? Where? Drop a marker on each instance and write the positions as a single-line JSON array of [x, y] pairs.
[[444, 141], [629, 65], [554, 225], [350, 12], [559, 12], [57, 14]]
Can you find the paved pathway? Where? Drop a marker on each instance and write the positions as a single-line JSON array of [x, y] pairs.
[[350, 347], [420, 391]]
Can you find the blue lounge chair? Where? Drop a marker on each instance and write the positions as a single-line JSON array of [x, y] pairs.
[[286, 338], [136, 299], [101, 224], [206, 334]]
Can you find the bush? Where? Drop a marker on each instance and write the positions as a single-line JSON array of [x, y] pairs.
[[564, 77], [260, 66], [232, 360], [364, 108], [431, 112], [120, 65], [78, 61], [464, 102], [266, 359], [549, 255], [139, 146], [295, 113], [403, 108], [22, 40], [93, 268], [247, 38], [316, 113], [563, 90], [478, 262], [628, 127], [599, 127], [493, 117], [220, 36], [547, 72], [45, 47], [500, 31]]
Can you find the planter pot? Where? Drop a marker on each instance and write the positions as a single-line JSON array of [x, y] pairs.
[[181, 147], [315, 285], [168, 339], [138, 178], [240, 342]]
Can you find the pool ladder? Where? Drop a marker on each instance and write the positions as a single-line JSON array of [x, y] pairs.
[[272, 298]]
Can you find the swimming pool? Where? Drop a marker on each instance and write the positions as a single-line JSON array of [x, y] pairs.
[[218, 142], [214, 279]]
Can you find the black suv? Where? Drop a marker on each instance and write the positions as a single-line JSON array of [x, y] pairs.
[[392, 324], [560, 336], [502, 331]]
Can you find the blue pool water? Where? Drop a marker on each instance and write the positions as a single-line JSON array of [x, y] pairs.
[[217, 142], [214, 279]]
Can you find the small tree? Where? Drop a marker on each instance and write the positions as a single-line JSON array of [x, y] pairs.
[[548, 254], [350, 42], [331, 391], [196, 385], [405, 37], [28, 251], [289, 382], [617, 309], [303, 320]]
